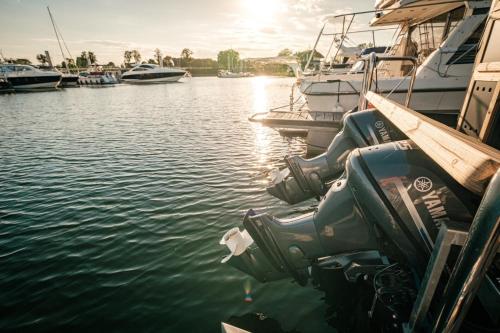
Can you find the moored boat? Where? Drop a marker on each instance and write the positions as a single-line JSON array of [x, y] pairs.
[[442, 36], [69, 80], [95, 76], [411, 225], [227, 74], [29, 78], [151, 73]]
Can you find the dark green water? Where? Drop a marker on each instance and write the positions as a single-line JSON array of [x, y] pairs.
[[113, 201]]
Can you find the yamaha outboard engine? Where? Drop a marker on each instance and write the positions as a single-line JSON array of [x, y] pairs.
[[309, 178], [392, 199]]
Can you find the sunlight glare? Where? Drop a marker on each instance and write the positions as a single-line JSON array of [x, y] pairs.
[[263, 12], [261, 104]]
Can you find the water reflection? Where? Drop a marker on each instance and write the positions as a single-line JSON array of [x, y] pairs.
[[262, 134]]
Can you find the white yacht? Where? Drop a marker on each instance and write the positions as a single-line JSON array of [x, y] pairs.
[[151, 73], [443, 36], [27, 78]]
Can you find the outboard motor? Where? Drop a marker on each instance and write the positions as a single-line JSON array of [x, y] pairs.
[[392, 199], [309, 178]]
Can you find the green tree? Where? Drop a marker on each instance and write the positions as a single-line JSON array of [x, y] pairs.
[[186, 57], [303, 56], [82, 61], [152, 61], [42, 58], [168, 61], [111, 64], [127, 57], [70, 62], [228, 58], [136, 55], [157, 56], [285, 53], [92, 57]]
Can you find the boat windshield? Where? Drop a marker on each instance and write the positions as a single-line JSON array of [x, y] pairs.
[[24, 68], [147, 66], [7, 69], [427, 36], [420, 40]]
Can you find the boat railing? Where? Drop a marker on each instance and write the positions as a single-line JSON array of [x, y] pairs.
[[340, 38], [371, 76]]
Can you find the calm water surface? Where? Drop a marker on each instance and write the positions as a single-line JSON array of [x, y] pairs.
[[113, 201]]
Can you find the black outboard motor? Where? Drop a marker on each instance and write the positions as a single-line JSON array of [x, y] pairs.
[[392, 198], [309, 178]]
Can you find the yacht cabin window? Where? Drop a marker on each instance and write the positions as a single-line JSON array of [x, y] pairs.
[[6, 69], [23, 68], [426, 37]]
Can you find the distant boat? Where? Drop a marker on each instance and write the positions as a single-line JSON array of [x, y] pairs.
[[225, 74], [96, 76], [151, 73], [27, 78], [229, 74], [69, 80]]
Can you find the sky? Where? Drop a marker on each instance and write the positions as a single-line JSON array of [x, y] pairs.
[[255, 28]]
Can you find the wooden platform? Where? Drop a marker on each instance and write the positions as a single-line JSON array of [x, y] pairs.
[[304, 119]]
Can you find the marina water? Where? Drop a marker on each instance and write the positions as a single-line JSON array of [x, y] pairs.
[[113, 201]]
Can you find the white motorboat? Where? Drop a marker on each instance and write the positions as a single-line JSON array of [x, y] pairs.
[[226, 74], [96, 76], [27, 78], [443, 36], [151, 73]]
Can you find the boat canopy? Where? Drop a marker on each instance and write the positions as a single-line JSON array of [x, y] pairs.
[[412, 11]]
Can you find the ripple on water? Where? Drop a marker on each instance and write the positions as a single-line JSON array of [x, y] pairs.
[[112, 203]]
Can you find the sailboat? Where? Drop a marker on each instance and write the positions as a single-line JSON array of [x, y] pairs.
[[225, 74], [68, 79]]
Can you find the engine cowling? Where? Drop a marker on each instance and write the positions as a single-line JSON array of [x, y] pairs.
[[308, 178], [392, 198]]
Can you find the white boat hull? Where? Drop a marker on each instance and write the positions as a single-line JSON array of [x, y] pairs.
[[96, 81], [153, 81], [36, 86]]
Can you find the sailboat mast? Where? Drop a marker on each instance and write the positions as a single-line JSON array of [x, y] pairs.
[[57, 36]]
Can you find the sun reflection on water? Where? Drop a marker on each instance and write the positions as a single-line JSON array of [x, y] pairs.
[[263, 135]]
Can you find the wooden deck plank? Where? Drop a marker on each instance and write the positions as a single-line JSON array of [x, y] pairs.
[[467, 160]]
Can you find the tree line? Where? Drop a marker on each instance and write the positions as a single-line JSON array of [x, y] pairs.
[[226, 59]]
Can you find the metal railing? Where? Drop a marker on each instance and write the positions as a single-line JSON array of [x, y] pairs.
[[371, 75]]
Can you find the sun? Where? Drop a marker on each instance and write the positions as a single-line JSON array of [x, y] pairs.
[[262, 12]]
